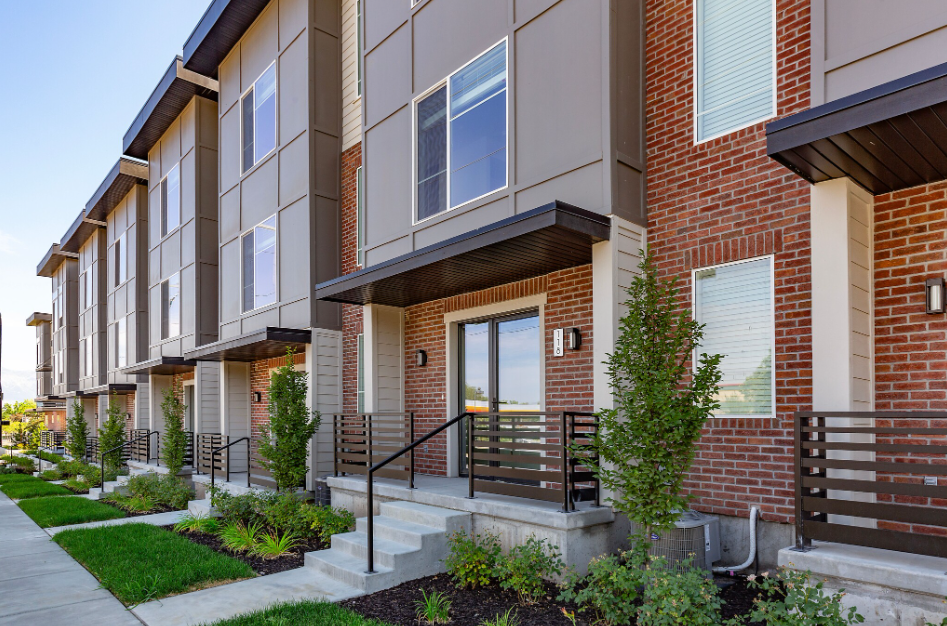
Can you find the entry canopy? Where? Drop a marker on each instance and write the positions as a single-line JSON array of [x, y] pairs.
[[549, 238], [161, 365], [266, 343], [886, 138]]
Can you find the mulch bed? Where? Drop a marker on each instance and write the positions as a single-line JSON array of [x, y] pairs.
[[398, 605], [260, 565]]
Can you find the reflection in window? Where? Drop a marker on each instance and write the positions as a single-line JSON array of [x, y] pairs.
[[259, 265], [171, 307], [171, 201], [259, 118]]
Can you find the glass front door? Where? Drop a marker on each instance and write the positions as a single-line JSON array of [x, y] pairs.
[[500, 368]]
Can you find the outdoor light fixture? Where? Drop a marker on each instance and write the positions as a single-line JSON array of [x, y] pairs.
[[421, 358], [575, 339], [257, 396], [934, 288]]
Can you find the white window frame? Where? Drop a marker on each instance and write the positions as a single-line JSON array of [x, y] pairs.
[[358, 48], [772, 311], [85, 289], [771, 114], [414, 137], [244, 168], [161, 307], [360, 373], [359, 217], [276, 260], [162, 207], [87, 359], [119, 331]]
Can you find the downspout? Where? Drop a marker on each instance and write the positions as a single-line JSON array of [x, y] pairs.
[[754, 513]]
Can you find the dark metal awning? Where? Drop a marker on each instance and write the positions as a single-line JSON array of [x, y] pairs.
[[120, 389], [886, 138], [119, 181], [552, 237], [173, 93], [53, 258], [79, 232], [39, 318], [266, 343], [220, 28], [161, 365]]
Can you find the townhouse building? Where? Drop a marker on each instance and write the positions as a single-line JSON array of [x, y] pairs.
[[51, 407]]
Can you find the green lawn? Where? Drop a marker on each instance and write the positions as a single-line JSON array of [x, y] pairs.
[[16, 478], [60, 511], [308, 613], [33, 488], [139, 562]]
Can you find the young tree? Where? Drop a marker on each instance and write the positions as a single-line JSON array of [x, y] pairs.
[[284, 441], [175, 442], [646, 442], [112, 435], [77, 431]]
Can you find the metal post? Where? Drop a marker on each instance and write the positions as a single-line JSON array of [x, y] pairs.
[[470, 461], [564, 463], [368, 438], [802, 543], [335, 444], [371, 524], [248, 462], [411, 440]]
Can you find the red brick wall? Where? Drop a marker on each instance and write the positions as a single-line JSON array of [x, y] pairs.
[[260, 381], [725, 200], [568, 379], [351, 315]]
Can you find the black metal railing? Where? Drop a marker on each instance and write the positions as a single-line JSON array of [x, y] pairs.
[[213, 466], [884, 469], [508, 453], [52, 438], [140, 449], [91, 449], [123, 450], [204, 445]]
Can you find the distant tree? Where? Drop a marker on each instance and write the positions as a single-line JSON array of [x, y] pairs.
[[16, 410], [77, 431]]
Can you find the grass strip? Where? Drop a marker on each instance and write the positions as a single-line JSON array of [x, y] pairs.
[[308, 613], [59, 511], [17, 478], [140, 562], [36, 488]]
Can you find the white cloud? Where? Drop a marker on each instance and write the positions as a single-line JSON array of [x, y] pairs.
[[18, 385], [8, 243]]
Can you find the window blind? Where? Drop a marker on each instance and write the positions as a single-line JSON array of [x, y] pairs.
[[735, 304], [735, 59]]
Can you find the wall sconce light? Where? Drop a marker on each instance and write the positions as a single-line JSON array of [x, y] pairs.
[[575, 339], [257, 396], [934, 288], [421, 358]]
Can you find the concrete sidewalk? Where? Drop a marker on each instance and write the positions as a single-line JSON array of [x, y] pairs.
[[41, 584], [158, 519]]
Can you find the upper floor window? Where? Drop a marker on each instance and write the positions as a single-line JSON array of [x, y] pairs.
[[735, 58], [120, 261], [85, 289], [259, 265], [121, 343], [461, 135], [359, 219], [85, 348], [171, 307], [358, 43], [734, 301], [171, 201], [259, 118]]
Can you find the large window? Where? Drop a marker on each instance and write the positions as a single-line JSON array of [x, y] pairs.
[[86, 350], [358, 43], [360, 369], [171, 307], [735, 59], [121, 343], [120, 252], [171, 201], [259, 118], [359, 218], [259, 265], [461, 140], [735, 303], [85, 289]]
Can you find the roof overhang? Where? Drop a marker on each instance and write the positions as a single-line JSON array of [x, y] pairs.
[[52, 260], [119, 389], [161, 365], [79, 232], [886, 138], [173, 93], [120, 180], [543, 240], [39, 318], [220, 28], [266, 343]]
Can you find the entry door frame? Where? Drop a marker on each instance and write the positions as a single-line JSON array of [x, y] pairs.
[[190, 404], [452, 323]]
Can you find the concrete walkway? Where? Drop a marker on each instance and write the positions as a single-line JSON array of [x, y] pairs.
[[41, 584], [158, 519]]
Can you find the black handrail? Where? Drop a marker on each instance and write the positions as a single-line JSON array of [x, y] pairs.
[[213, 466], [381, 464], [102, 455]]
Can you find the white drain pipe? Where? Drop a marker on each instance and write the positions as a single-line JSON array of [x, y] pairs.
[[754, 513]]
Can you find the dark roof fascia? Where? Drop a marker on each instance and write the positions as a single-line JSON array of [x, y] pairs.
[[53, 258], [219, 29], [39, 318], [241, 348], [79, 232], [124, 175], [161, 365], [121, 389], [552, 214], [174, 91]]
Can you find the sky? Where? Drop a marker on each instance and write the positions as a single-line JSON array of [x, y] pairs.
[[76, 74]]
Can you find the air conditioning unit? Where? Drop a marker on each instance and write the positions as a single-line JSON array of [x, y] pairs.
[[696, 537]]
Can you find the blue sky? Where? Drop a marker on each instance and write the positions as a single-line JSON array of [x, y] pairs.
[[76, 74]]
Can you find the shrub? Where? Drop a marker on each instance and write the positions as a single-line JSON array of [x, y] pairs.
[[174, 442], [161, 489], [328, 521], [76, 486], [611, 588], [526, 567], [112, 435], [646, 442], [237, 537], [77, 431], [433, 608], [507, 619], [287, 513], [53, 474], [247, 508], [673, 596], [197, 524], [25, 464], [788, 599], [284, 440], [131, 504], [273, 545], [472, 560]]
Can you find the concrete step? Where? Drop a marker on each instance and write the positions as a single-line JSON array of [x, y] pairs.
[[446, 520], [202, 508], [95, 493], [350, 570], [408, 533], [389, 554], [114, 486]]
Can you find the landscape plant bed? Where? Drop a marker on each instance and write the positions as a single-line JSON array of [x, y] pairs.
[[140, 562], [158, 508], [398, 605], [260, 565], [67, 510], [306, 613]]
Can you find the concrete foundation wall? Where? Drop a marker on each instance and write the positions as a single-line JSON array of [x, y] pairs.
[[771, 537]]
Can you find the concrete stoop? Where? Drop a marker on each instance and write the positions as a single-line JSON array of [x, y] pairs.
[[410, 543]]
